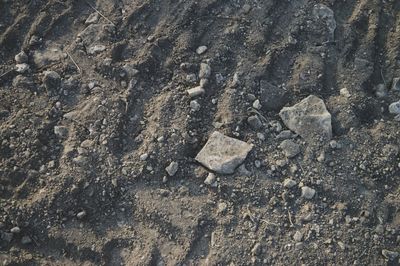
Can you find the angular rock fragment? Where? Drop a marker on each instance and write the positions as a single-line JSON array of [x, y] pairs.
[[223, 154], [290, 148], [309, 118]]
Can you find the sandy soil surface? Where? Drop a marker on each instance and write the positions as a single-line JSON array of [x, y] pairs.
[[105, 106]]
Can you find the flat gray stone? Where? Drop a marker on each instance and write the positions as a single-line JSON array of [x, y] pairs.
[[309, 118], [290, 148], [223, 154]]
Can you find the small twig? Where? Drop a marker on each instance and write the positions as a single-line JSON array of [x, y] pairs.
[[79, 69], [265, 221], [100, 13], [383, 78], [290, 218], [5, 73]]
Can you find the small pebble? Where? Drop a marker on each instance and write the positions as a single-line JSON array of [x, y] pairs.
[[307, 192], [81, 215], [172, 168], [201, 50], [15, 230]]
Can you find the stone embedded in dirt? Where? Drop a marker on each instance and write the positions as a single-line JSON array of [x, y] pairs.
[[309, 118], [205, 71], [289, 183], [195, 106], [256, 250], [380, 90], [22, 68], [223, 154], [285, 134], [96, 49], [257, 105], [272, 98], [290, 148], [47, 57], [21, 58], [323, 12], [96, 33], [195, 92], [345, 93], [298, 236], [26, 240], [396, 84], [211, 180], [390, 255], [394, 108], [144, 157], [93, 18], [15, 230], [307, 192], [61, 131], [51, 80], [81, 215], [172, 168], [254, 122], [22, 82], [201, 50]]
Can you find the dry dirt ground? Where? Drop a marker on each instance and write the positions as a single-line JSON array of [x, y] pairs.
[[98, 108]]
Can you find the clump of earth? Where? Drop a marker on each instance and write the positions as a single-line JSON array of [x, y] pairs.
[[199, 132]]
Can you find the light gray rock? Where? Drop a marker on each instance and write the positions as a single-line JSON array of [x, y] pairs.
[[211, 180], [195, 106], [201, 50], [172, 168], [308, 118], [205, 71], [93, 18], [15, 230], [298, 236], [96, 49], [47, 57], [289, 183], [195, 92], [290, 148], [223, 154], [22, 68], [254, 122], [21, 58], [394, 108], [61, 131], [307, 192]]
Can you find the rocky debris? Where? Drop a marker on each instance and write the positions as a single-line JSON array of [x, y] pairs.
[[211, 180], [322, 12], [172, 168], [144, 157], [223, 154], [290, 148], [257, 105], [380, 90], [92, 19], [47, 57], [201, 50], [298, 236], [289, 183], [396, 84], [61, 131], [21, 58], [22, 68], [272, 98], [205, 71], [51, 81], [96, 34], [195, 106], [390, 255], [308, 118], [254, 122], [345, 93], [22, 82], [394, 108], [96, 49], [285, 134], [15, 230], [195, 92], [307, 192], [26, 240]]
